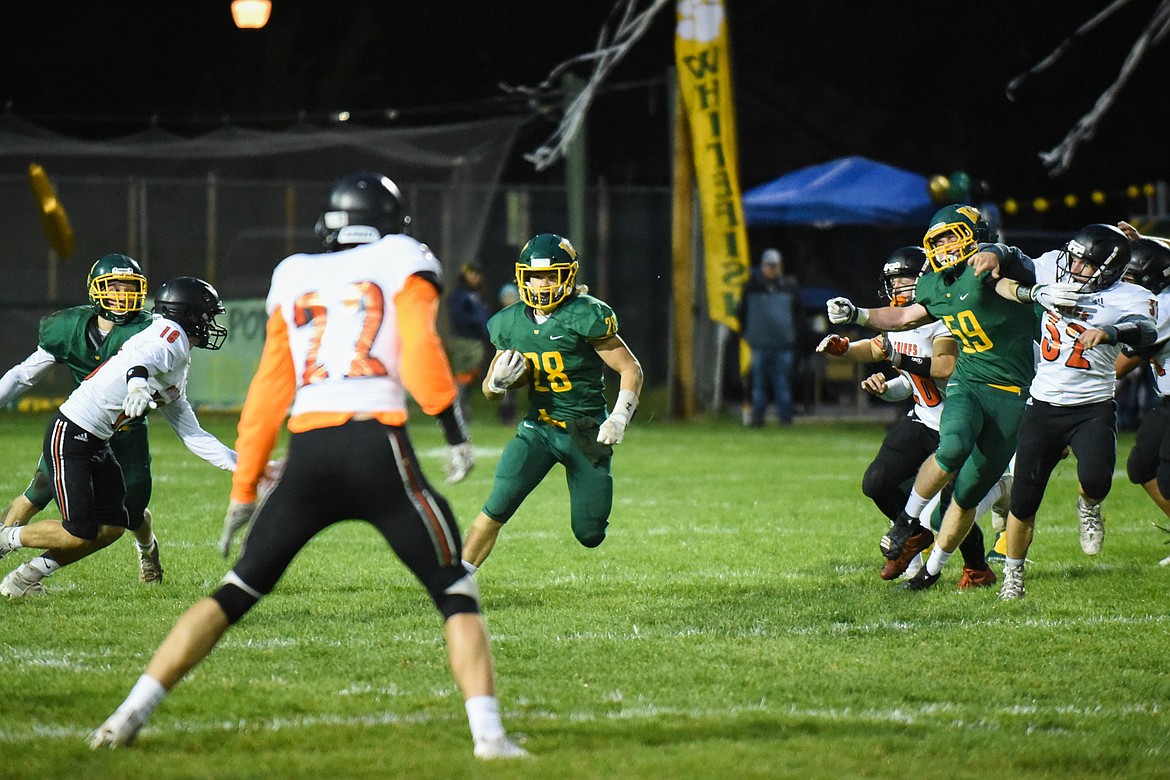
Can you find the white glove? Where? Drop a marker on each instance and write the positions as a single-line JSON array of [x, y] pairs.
[[614, 428], [238, 515], [460, 461], [138, 399], [270, 477], [509, 367], [1059, 295], [843, 312]]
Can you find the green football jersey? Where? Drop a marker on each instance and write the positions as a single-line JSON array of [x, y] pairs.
[[63, 335], [567, 375], [995, 335]]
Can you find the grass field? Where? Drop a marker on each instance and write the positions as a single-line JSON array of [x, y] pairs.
[[732, 625]]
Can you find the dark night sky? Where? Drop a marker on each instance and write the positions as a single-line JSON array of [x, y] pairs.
[[919, 85]]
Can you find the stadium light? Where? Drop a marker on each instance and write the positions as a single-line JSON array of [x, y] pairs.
[[251, 14]]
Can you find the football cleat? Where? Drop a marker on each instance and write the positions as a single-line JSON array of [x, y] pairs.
[[976, 578], [1013, 583], [19, 584], [922, 580], [900, 530], [119, 730], [498, 748], [150, 570], [918, 541], [1092, 526]]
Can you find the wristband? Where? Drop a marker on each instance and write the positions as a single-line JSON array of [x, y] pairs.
[[626, 405]]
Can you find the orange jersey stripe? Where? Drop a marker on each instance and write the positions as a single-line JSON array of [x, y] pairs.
[[269, 397], [425, 371]]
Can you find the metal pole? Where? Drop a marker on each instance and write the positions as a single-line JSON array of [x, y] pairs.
[[212, 234]]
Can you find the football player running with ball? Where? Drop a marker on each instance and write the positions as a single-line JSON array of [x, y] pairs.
[[988, 389], [349, 333], [558, 340], [82, 338], [1071, 402]]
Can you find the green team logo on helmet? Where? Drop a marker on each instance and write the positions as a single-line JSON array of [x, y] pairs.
[[117, 288], [546, 272], [954, 235]]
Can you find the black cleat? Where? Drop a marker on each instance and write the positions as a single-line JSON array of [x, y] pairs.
[[895, 539], [922, 580]]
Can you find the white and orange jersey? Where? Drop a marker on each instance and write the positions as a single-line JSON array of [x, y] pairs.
[[928, 396], [1068, 374], [349, 334], [165, 352], [1160, 362]]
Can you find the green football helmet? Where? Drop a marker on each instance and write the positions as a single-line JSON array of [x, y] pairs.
[[117, 288], [553, 259], [954, 235]]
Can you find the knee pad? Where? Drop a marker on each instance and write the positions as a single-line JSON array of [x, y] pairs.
[[459, 597], [590, 540], [1139, 468], [873, 483], [1098, 486], [235, 598]]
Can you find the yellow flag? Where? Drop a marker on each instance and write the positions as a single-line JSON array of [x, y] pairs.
[[703, 58], [54, 220]]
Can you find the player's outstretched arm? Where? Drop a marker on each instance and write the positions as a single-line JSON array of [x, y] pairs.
[[18, 379]]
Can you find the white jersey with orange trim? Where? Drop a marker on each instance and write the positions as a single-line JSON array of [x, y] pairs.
[[164, 350], [1067, 373], [1160, 361], [342, 328], [928, 395]]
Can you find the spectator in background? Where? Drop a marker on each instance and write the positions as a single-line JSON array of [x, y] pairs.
[[771, 320], [509, 294], [469, 336]]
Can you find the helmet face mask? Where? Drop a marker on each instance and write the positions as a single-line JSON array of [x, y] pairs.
[[954, 235], [1149, 265], [1095, 257], [193, 304], [117, 288], [900, 274], [361, 208], [546, 273]]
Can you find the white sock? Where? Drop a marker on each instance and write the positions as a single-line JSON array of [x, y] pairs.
[[10, 538], [915, 504], [146, 547], [483, 715], [471, 567], [938, 559], [144, 696], [43, 565], [1013, 563]]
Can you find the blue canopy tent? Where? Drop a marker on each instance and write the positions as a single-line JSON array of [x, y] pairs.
[[848, 191]]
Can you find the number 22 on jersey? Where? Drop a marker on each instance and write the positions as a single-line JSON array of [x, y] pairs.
[[364, 298]]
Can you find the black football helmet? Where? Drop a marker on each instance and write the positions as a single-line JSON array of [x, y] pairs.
[[193, 304], [361, 208], [1149, 264], [905, 263], [117, 288], [1104, 248]]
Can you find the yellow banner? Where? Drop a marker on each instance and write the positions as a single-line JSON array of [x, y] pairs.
[[703, 58]]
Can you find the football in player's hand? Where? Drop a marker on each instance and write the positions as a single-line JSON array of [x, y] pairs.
[[524, 377]]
